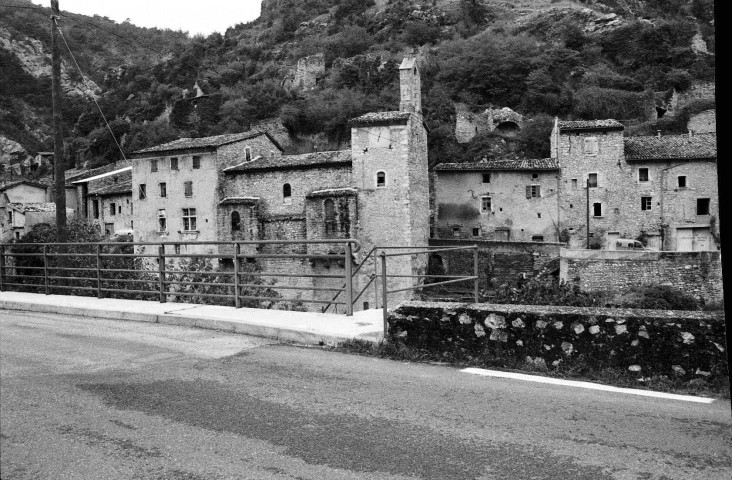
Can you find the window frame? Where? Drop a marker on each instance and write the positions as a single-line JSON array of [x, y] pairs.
[[163, 186], [142, 191], [95, 208], [287, 194], [154, 165], [647, 172], [707, 202], [376, 179], [174, 164], [488, 176], [112, 209], [329, 221], [533, 191], [597, 180], [196, 162], [248, 157], [162, 220], [189, 220], [646, 203], [235, 225], [594, 210], [678, 181], [483, 199], [188, 188], [588, 141]]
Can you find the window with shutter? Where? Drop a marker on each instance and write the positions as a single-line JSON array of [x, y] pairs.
[[188, 187]]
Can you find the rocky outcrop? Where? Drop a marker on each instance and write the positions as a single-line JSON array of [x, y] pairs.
[[11, 151], [36, 61]]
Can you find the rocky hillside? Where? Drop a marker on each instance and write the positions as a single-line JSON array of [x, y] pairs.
[[306, 66]]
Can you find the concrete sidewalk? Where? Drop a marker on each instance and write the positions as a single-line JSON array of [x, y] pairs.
[[298, 327]]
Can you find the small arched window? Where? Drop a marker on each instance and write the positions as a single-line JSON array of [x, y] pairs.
[[286, 194], [330, 216], [380, 179], [235, 221]]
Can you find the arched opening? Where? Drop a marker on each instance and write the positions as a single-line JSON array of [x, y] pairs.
[[329, 216], [235, 221], [286, 194], [509, 129]]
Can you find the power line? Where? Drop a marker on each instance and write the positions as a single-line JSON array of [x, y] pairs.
[[83, 78], [42, 10]]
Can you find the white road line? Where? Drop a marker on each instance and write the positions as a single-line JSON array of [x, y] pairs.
[[589, 385]]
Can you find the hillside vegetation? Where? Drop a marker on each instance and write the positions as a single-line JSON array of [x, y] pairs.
[[572, 59]]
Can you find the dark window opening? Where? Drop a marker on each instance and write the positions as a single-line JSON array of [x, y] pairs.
[[286, 194], [188, 189], [642, 174], [248, 154], [660, 112], [645, 203], [476, 231], [486, 178], [592, 180], [702, 206], [597, 210], [381, 179], [235, 221], [537, 238], [153, 165], [142, 191], [163, 189], [682, 181], [455, 231], [112, 209], [95, 208], [196, 162], [330, 218], [174, 163]]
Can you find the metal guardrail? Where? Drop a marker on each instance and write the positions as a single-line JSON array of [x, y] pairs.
[[99, 269]]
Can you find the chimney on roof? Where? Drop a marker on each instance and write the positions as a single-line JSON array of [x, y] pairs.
[[658, 133]]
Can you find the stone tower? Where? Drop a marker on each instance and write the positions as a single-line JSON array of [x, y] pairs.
[[410, 87], [389, 161]]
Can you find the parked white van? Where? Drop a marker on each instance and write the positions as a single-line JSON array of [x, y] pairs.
[[628, 244]]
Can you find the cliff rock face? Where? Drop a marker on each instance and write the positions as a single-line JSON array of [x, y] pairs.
[[37, 62], [11, 152]]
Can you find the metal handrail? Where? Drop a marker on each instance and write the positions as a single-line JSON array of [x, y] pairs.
[[355, 271]]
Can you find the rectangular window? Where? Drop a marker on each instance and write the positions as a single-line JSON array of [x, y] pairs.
[[112, 208], [597, 209], [455, 231], [574, 184], [163, 189], [702, 206], [119, 209], [153, 165], [247, 154], [189, 219], [592, 180], [537, 238], [645, 203], [95, 208], [142, 191], [682, 181], [590, 145], [174, 163], [196, 162], [188, 188], [476, 231], [162, 221], [643, 175], [486, 178], [533, 191], [485, 204]]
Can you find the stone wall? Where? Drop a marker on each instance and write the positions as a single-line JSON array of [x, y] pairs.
[[468, 124], [499, 263], [704, 122], [309, 71], [696, 273], [688, 345]]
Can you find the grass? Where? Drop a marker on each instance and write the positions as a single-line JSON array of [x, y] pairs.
[[719, 388]]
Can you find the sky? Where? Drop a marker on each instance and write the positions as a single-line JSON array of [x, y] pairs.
[[204, 17]]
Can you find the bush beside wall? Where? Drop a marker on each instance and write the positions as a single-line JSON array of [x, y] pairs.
[[684, 344]]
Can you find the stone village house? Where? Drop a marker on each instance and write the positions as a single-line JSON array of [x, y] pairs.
[[241, 187]]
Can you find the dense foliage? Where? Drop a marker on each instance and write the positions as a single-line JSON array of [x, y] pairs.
[[478, 52]]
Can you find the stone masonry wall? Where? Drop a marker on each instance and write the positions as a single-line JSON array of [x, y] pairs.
[[309, 69], [696, 273]]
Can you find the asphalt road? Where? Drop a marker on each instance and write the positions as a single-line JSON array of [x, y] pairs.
[[103, 399]]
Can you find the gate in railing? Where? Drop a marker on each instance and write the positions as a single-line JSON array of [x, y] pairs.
[[127, 270], [419, 282]]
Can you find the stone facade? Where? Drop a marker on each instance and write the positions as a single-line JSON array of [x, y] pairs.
[[639, 186], [469, 124], [498, 200], [704, 122], [309, 71], [696, 273]]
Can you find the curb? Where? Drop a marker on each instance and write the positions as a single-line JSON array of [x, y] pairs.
[[278, 334]]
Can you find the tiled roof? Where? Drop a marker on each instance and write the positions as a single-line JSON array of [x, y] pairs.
[[380, 118], [120, 171], [570, 125], [526, 164], [671, 147], [287, 162], [203, 143], [239, 200], [116, 189], [10, 185], [333, 192], [34, 207]]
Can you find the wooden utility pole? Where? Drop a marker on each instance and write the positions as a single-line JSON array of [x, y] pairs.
[[588, 213], [59, 163]]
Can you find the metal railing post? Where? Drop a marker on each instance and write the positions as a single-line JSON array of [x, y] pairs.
[[99, 270], [475, 272], [349, 279], [45, 269], [384, 292], [2, 268], [376, 280], [161, 273], [237, 281]]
